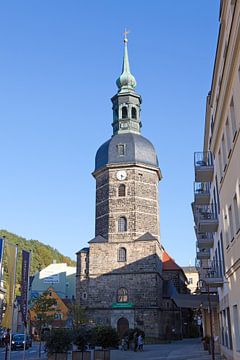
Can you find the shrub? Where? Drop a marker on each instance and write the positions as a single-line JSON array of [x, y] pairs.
[[59, 341], [104, 336], [81, 338]]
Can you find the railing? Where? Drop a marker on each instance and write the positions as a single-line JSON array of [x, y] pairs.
[[201, 188], [207, 212], [204, 236], [203, 159], [215, 269], [203, 253]]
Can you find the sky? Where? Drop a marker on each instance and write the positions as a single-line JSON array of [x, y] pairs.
[[58, 66]]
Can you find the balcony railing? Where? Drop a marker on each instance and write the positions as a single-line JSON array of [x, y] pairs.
[[204, 240], [213, 274], [203, 254], [202, 193], [203, 163], [206, 218]]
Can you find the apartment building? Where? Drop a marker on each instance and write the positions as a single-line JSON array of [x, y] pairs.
[[216, 206]]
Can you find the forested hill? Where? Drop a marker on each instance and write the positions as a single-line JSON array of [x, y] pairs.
[[41, 255]]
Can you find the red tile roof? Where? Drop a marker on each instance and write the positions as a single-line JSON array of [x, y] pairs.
[[169, 263]]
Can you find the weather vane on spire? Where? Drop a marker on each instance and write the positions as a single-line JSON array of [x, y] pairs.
[[126, 32]]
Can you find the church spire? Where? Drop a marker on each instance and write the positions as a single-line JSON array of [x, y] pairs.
[[126, 82], [126, 103]]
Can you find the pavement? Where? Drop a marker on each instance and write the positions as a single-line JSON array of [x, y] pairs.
[[187, 349], [30, 354]]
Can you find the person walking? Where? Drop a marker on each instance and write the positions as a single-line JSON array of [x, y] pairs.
[[135, 341], [140, 342]]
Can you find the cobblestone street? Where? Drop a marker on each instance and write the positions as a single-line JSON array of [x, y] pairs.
[[190, 349]]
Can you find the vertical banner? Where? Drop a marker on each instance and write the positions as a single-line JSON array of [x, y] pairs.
[[1, 256], [25, 284], [11, 257]]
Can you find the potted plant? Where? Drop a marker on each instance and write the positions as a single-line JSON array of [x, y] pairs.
[[81, 339], [58, 343], [105, 337]]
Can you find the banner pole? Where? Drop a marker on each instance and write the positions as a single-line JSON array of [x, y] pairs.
[[1, 256], [1, 273], [13, 296], [26, 319]]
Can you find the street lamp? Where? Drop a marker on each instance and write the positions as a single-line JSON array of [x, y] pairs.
[[200, 284]]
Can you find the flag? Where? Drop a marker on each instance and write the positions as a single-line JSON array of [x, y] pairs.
[[11, 257], [25, 284]]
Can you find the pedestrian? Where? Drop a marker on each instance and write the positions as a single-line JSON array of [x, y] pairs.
[[122, 344], [140, 342], [135, 341]]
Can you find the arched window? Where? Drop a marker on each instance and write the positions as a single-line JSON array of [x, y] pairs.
[[122, 190], [124, 112], [122, 254], [122, 295], [134, 113], [122, 224]]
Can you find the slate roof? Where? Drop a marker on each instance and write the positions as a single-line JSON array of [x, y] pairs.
[[145, 237], [98, 239], [139, 150]]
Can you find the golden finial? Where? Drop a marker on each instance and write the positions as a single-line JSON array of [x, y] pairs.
[[126, 32]]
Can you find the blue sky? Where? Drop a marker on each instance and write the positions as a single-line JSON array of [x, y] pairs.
[[58, 65]]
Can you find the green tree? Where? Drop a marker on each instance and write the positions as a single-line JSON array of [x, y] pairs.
[[43, 308], [78, 315]]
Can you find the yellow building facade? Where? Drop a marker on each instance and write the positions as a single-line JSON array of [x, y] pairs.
[[216, 206]]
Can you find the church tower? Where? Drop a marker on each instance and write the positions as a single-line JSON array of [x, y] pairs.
[[119, 277]]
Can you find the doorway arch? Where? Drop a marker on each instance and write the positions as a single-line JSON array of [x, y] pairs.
[[122, 326]]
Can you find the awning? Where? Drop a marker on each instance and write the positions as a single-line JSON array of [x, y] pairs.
[[194, 301], [189, 300]]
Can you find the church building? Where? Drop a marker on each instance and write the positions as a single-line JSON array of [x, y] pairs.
[[119, 276]]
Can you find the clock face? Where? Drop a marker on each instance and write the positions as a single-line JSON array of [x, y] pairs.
[[121, 175]]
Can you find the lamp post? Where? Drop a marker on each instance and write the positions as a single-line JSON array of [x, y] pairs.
[[203, 283]]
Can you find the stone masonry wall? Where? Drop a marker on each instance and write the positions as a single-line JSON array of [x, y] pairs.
[[139, 206]]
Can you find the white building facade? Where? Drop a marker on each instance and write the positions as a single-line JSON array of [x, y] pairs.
[[216, 204]]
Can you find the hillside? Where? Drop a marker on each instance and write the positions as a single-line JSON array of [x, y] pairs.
[[41, 255]]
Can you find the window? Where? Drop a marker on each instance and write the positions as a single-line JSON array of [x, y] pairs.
[[220, 164], [122, 295], [230, 218], [218, 200], [57, 316], [224, 154], [236, 213], [190, 280], [134, 113], [121, 149], [228, 138], [233, 119], [229, 328], [225, 217], [236, 326], [122, 254], [124, 112], [223, 260], [84, 295], [122, 224], [122, 190]]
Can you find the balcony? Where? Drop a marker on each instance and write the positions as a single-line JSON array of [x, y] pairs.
[[203, 163], [204, 240], [206, 219], [213, 275], [202, 193], [203, 254]]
